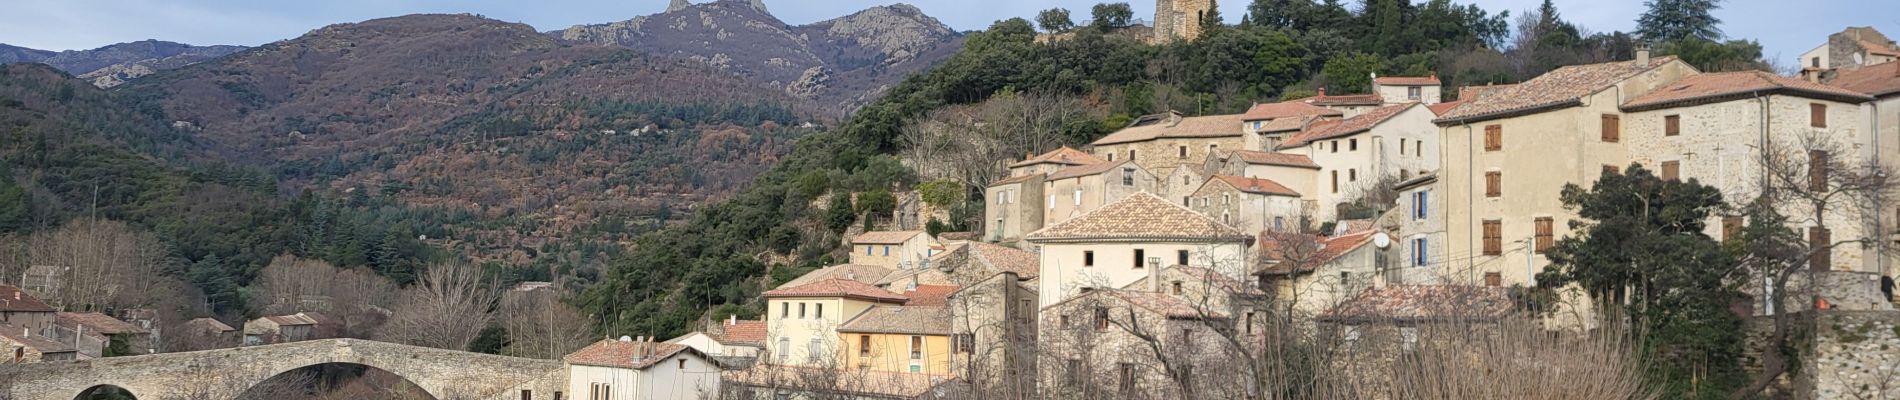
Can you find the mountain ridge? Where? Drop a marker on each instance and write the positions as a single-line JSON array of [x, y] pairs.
[[114, 64]]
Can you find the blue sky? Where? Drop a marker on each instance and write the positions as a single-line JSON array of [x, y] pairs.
[[1785, 27]]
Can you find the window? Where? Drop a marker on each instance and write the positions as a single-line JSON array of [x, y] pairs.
[[1352, 175], [1352, 144], [1182, 152], [1184, 180], [1226, 199], [1052, 202], [887, 250], [1420, 204], [965, 343], [1139, 258], [1610, 169], [1671, 170], [1817, 115], [1493, 237], [784, 349], [1818, 240], [527, 394], [1088, 258], [916, 348], [1131, 154], [1187, 201], [1544, 236], [1815, 62], [1226, 218], [682, 364], [1612, 128], [1412, 92], [1401, 146], [1063, 321], [1279, 223], [1493, 137], [1404, 175], [1127, 378], [1111, 157], [1493, 184], [1817, 170], [864, 345], [1101, 318], [1672, 125], [1408, 338], [1128, 177], [1248, 322], [801, 310], [1335, 146], [867, 250], [1075, 372], [1335, 181], [1493, 279], [820, 314], [784, 310], [1078, 196], [600, 391], [1731, 227], [1180, 257], [1177, 287], [814, 349], [1420, 257]]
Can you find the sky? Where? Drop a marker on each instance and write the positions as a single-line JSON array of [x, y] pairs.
[[1785, 27]]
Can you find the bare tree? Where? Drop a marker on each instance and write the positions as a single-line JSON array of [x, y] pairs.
[[963, 143], [100, 265], [540, 325], [290, 285], [447, 308]]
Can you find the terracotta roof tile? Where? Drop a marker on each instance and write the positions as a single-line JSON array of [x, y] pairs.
[[1344, 100], [1271, 158], [1562, 87], [1721, 86], [1014, 180], [885, 237], [1139, 216], [1879, 80], [615, 353], [1090, 169], [930, 295], [1880, 49], [209, 325], [856, 272], [1468, 93], [749, 332], [837, 288], [1189, 127], [1310, 253], [1064, 155], [1442, 108], [917, 320], [96, 323], [42, 344], [1361, 123], [13, 299], [1025, 264], [1406, 80], [1257, 186], [1285, 109], [1413, 303]]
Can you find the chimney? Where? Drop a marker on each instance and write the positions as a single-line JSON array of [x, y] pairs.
[[1642, 54], [732, 320], [1322, 92], [1154, 274], [1028, 155]]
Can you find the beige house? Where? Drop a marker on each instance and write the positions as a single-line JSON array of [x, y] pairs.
[[1015, 207], [1251, 204], [1183, 182], [92, 333], [1159, 143], [1114, 245], [1312, 274], [1358, 154], [802, 321], [1508, 154], [1710, 128], [20, 309], [963, 266], [1268, 124], [290, 328], [1851, 48], [1074, 191], [639, 369], [891, 249], [1094, 347], [1054, 160], [869, 274], [1295, 171], [1401, 89], [23, 345]]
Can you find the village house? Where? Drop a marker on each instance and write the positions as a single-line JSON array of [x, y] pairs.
[[308, 325], [1380, 326], [639, 369], [1295, 171], [20, 309], [898, 338], [1401, 89], [1363, 155], [1159, 143], [93, 334], [993, 333], [1883, 83], [42, 279], [1508, 154], [1102, 344], [1851, 48], [1711, 128], [731, 340], [869, 274], [23, 345], [1251, 204], [207, 334], [802, 321], [1269, 124], [1074, 191], [890, 249], [1212, 290], [1309, 274], [964, 265], [1008, 214], [800, 382], [1054, 160], [1114, 245], [1350, 104], [1418, 224]]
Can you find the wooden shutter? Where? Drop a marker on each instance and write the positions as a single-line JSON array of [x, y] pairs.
[[1493, 137], [1493, 182], [1671, 170], [1817, 115], [1731, 227], [1612, 128], [1817, 170], [1672, 125], [1545, 238], [1823, 257], [1610, 169], [1493, 238]]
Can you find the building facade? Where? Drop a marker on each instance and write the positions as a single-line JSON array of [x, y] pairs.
[[1118, 243]]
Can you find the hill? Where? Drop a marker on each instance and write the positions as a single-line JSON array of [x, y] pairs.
[[114, 64], [842, 63]]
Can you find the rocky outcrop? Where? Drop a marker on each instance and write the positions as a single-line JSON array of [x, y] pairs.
[[114, 64]]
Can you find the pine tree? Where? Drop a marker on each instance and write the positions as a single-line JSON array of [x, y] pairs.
[[16, 208], [1675, 20], [1211, 21]]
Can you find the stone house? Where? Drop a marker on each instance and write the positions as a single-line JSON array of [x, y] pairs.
[[1179, 19], [963, 266], [1358, 156], [92, 333], [207, 333], [1250, 204], [1268, 124], [802, 321], [42, 279], [731, 338], [1850, 48], [1418, 225], [1008, 216], [1183, 182], [20, 309], [1350, 104], [1159, 143], [897, 338], [1401, 89], [1114, 245], [1711, 128], [1102, 344], [1054, 160], [1074, 191], [630, 369], [1378, 326], [801, 382], [993, 331], [890, 249], [23, 345], [1208, 289], [1309, 274], [308, 325], [1295, 171], [1508, 154]]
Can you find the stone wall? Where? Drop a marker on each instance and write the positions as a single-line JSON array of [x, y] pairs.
[[1856, 354]]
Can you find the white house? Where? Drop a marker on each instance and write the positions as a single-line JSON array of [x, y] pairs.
[[1388, 143], [1116, 244], [640, 369]]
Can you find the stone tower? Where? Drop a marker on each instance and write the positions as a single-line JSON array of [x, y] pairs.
[[1179, 19]]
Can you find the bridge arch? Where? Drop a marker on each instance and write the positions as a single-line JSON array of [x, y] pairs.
[[105, 391], [297, 381]]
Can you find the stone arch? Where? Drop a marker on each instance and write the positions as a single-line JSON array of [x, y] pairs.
[[266, 384], [87, 393], [347, 352]]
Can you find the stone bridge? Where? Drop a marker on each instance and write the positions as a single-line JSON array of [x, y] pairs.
[[226, 373]]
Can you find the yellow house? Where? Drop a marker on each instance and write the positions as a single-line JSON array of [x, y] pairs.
[[802, 321], [913, 339], [890, 249]]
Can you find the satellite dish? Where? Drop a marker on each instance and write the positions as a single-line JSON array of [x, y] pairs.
[[1380, 240]]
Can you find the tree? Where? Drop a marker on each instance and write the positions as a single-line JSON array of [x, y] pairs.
[[1112, 15], [16, 208], [1211, 20], [1352, 73], [540, 325], [1674, 20], [102, 265], [1641, 246], [446, 309], [1055, 20]]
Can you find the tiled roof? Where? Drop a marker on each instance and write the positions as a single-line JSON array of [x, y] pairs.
[[1879, 80], [1014, 180], [1257, 186], [1880, 49], [42, 344], [1090, 169], [1311, 256], [885, 237], [1344, 100], [1271, 158], [1293, 123], [856, 272], [930, 295], [302, 318], [1563, 87], [1723, 86], [96, 323], [1406, 80], [1468, 93], [1361, 123], [615, 353], [917, 320], [1025, 264], [209, 325], [837, 288], [1421, 179], [855, 384], [1190, 127], [12, 299], [1413, 303], [1441, 108], [1284, 109], [1140, 216], [749, 332], [1064, 155]]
